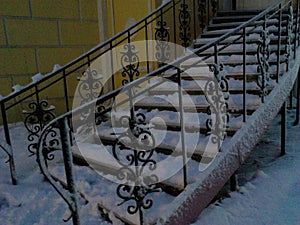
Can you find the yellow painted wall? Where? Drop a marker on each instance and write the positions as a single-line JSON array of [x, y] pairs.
[[37, 34]]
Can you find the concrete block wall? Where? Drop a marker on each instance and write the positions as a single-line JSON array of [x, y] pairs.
[[37, 34]]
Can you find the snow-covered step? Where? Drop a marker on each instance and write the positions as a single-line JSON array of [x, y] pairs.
[[194, 88], [233, 109], [227, 17], [238, 13], [219, 26], [218, 33], [232, 61], [237, 49], [200, 74], [170, 121], [238, 39], [99, 159]]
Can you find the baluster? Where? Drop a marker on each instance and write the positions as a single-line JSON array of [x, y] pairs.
[[202, 13], [217, 95], [182, 125], [283, 129], [214, 6], [298, 100], [162, 37], [289, 30], [68, 162], [39, 116], [135, 158], [279, 43], [185, 23], [263, 55], [130, 63], [244, 77], [8, 141], [296, 35]]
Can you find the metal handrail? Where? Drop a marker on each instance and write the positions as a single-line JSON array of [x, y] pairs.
[[62, 119]]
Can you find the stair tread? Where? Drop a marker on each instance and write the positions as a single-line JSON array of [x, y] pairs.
[[105, 163], [236, 24], [252, 39]]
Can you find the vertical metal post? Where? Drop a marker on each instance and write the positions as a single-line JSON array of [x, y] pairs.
[[279, 43], [112, 66], [8, 141], [147, 46], [233, 183], [234, 6], [283, 129], [244, 77], [298, 100], [174, 25], [182, 125], [291, 100], [66, 91], [296, 29], [68, 162], [195, 27]]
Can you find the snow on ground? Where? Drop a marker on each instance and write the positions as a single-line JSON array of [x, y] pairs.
[[272, 196], [270, 193]]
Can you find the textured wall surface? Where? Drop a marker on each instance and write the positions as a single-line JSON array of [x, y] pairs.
[[37, 34]]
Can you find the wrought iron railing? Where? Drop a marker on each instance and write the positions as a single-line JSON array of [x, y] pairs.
[[137, 130], [177, 21], [49, 135]]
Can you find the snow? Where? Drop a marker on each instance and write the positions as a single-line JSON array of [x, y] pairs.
[[270, 194]]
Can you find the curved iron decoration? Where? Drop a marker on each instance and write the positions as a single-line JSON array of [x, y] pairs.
[[90, 87], [185, 24], [130, 63], [8, 150], [51, 142], [162, 37], [214, 5], [263, 55], [133, 150], [202, 13], [217, 95], [36, 120], [46, 146], [289, 41]]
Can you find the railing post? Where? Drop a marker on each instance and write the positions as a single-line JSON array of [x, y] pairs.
[[66, 91], [8, 141], [182, 125], [233, 182], [279, 43], [244, 77], [283, 129], [296, 29], [68, 162], [298, 100]]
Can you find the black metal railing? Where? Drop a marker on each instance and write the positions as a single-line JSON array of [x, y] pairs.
[[176, 21], [137, 131], [173, 22]]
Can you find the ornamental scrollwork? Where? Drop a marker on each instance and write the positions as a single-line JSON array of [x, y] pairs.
[[289, 40], [217, 95], [35, 121], [202, 13], [214, 6], [130, 63], [185, 24], [162, 37], [133, 151], [263, 55], [89, 88], [51, 143]]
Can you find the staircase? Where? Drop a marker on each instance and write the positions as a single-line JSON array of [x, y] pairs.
[[170, 140]]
